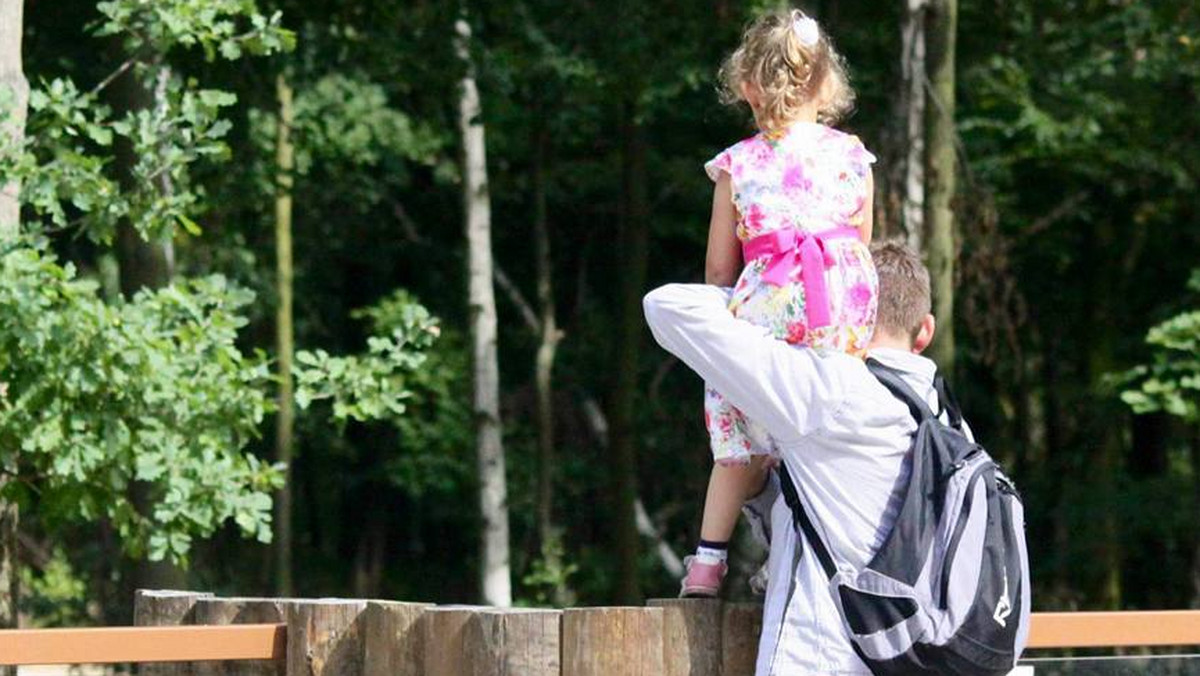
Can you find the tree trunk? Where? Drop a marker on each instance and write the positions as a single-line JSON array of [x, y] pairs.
[[548, 534], [912, 96], [1059, 463], [147, 265], [12, 82], [493, 496], [632, 248], [143, 265], [12, 79], [284, 335], [1148, 463], [1106, 421], [1104, 480], [1195, 458], [369, 556], [940, 173]]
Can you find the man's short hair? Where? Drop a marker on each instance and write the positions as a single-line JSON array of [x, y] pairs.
[[904, 297]]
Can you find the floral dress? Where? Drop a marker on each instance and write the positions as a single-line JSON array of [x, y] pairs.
[[800, 196]]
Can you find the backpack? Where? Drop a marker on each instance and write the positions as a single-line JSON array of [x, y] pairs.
[[948, 591]]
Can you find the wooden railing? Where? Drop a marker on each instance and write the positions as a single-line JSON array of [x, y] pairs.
[[341, 637], [116, 645], [1125, 629]]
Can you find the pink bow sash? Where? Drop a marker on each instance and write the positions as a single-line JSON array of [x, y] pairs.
[[788, 249]]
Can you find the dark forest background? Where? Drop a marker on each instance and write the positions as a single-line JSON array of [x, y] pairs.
[[1075, 233]]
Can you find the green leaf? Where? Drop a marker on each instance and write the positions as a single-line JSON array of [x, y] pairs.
[[217, 98], [189, 225], [100, 135]]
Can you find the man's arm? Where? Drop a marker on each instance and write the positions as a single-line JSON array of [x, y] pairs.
[[788, 389]]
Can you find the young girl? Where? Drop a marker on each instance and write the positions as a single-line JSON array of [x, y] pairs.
[[790, 222]]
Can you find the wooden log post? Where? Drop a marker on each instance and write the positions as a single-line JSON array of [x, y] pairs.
[[509, 641], [325, 637], [393, 643], [165, 608], [442, 630], [240, 611], [488, 641], [617, 641], [691, 636], [741, 625]]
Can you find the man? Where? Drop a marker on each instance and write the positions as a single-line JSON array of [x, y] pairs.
[[843, 436]]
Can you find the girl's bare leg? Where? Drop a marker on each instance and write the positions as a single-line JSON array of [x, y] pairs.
[[729, 486]]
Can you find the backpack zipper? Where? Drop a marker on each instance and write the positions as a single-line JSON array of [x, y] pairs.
[[962, 462]]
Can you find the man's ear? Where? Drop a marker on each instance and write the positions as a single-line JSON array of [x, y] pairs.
[[924, 334]]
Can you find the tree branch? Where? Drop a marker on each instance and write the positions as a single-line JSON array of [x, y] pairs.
[[37, 555], [129, 63], [1060, 211], [518, 299], [598, 424], [666, 555], [412, 233]]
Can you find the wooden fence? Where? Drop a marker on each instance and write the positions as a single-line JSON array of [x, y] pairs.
[[197, 633]]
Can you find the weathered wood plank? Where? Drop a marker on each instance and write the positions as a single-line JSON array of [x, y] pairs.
[[393, 643], [513, 641], [691, 636], [325, 637], [164, 607], [741, 625], [442, 630], [616, 641]]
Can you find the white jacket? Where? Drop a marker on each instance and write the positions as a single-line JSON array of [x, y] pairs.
[[845, 440]]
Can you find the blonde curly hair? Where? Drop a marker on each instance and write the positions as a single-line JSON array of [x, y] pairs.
[[775, 62]]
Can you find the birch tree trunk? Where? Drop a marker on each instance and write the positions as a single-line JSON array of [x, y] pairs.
[[940, 173], [912, 69], [12, 83], [493, 496], [284, 335]]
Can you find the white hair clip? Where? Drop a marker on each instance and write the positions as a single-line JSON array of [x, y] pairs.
[[807, 30]]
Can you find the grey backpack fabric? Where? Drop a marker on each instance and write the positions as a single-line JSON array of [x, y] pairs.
[[948, 591]]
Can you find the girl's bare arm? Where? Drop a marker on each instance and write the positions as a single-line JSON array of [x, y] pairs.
[[868, 210], [723, 262]]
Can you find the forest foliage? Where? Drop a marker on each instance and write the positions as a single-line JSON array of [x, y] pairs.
[[1077, 321]]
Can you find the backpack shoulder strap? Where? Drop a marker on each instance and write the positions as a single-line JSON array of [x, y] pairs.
[[890, 378], [948, 402], [803, 523]]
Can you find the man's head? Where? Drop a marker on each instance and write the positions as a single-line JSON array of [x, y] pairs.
[[903, 321]]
